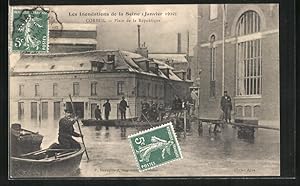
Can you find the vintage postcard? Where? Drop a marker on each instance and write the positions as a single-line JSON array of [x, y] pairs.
[[144, 90]]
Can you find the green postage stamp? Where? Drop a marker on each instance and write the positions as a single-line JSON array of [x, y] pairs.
[[155, 147], [30, 30]]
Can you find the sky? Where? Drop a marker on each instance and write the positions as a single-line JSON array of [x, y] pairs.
[[159, 37]]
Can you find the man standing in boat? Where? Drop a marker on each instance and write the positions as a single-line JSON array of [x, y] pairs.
[[66, 131], [98, 113], [107, 109], [122, 107]]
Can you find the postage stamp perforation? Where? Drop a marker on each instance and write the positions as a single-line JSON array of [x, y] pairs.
[[14, 18], [150, 129], [158, 162], [162, 164]]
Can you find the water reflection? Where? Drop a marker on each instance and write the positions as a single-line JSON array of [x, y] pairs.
[[204, 153]]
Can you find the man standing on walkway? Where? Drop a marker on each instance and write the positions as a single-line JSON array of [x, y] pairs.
[[98, 113], [226, 106], [123, 105], [107, 109]]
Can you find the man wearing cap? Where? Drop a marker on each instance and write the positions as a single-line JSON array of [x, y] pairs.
[[123, 105], [226, 106], [66, 131]]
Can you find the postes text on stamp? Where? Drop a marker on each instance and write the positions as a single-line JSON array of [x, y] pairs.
[[155, 146], [30, 30]]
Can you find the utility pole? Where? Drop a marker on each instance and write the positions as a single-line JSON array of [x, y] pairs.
[[223, 48]]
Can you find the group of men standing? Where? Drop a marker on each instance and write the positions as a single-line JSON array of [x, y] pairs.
[[151, 111], [66, 129], [107, 109]]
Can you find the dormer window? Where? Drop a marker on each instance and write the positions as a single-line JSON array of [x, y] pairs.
[[96, 66], [111, 58]]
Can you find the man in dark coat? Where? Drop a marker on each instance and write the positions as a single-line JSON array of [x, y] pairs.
[[145, 111], [177, 103], [123, 105], [66, 131], [226, 107], [107, 109], [98, 113]]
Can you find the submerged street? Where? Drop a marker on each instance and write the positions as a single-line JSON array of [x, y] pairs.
[[223, 154]]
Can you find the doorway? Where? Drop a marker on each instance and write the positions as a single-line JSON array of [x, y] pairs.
[[56, 110], [78, 107]]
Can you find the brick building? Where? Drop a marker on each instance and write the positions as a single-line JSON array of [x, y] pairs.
[[251, 59], [40, 84]]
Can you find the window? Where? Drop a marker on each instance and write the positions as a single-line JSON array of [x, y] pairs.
[[213, 11], [34, 111], [20, 111], [44, 110], [96, 65], [212, 67], [36, 89], [248, 23], [138, 93], [56, 112], [148, 89], [76, 89], [110, 57], [55, 89], [120, 90], [162, 91], [249, 59], [21, 90], [156, 91], [93, 88]]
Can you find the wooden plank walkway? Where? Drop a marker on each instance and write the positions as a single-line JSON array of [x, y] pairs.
[[218, 121]]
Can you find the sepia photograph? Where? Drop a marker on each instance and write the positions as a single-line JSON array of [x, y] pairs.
[[173, 90]]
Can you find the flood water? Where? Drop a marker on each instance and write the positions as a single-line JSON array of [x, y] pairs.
[[204, 154]]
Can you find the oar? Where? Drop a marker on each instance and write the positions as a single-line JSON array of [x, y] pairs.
[[44, 151], [87, 156]]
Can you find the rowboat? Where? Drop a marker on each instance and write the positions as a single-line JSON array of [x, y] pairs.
[[24, 141], [47, 163], [112, 122]]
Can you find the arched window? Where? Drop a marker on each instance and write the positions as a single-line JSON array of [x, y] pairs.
[[248, 23], [212, 66], [249, 59]]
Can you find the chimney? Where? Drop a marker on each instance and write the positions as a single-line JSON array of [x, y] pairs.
[[179, 43], [188, 44], [139, 36]]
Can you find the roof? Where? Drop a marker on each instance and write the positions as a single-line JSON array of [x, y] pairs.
[[73, 27], [82, 41], [178, 71], [80, 62], [173, 76], [162, 65], [172, 57]]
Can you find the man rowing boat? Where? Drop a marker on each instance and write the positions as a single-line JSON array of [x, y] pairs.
[[66, 131]]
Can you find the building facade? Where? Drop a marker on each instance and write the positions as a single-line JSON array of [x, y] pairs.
[[251, 59], [71, 37], [40, 84], [179, 61]]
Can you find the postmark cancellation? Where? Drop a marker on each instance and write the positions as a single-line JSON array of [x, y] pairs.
[[30, 30]]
